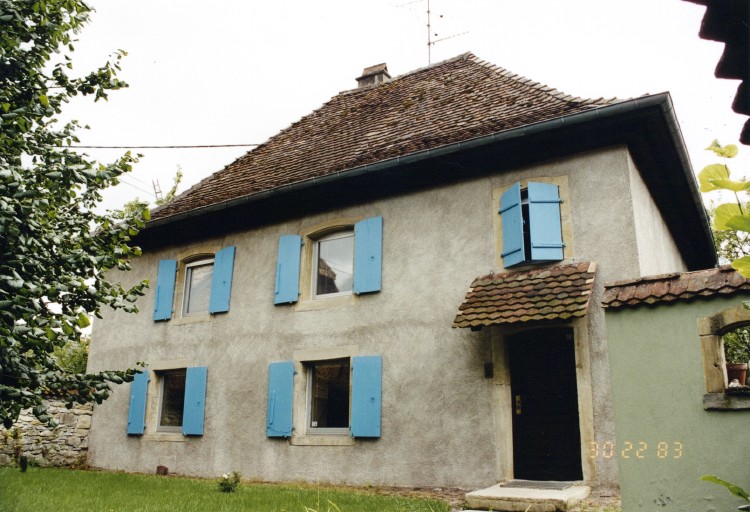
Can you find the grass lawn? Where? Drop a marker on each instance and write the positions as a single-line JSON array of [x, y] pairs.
[[41, 489]]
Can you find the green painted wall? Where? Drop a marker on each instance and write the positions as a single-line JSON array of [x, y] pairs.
[[658, 388]]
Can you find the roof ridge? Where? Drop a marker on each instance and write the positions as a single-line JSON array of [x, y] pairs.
[[473, 98]]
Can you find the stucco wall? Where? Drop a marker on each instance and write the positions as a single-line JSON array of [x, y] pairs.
[[439, 426], [658, 384], [651, 231]]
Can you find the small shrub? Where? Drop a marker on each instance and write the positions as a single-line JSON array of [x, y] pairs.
[[230, 482]]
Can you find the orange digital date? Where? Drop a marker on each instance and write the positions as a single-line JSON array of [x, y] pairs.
[[636, 450]]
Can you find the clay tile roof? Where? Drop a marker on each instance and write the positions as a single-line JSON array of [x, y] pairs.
[[674, 287], [448, 102], [550, 293]]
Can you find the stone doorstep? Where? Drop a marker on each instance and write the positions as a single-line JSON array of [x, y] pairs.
[[518, 499]]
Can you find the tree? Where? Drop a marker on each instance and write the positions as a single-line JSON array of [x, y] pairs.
[[730, 221], [731, 236], [55, 249]]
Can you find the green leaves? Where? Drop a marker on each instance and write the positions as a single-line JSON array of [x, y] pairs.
[[52, 264], [716, 177], [734, 489], [728, 151]]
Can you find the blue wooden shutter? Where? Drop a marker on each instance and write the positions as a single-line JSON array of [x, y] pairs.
[[137, 412], [221, 281], [287, 270], [165, 290], [366, 396], [195, 401], [280, 396], [512, 217], [544, 221], [368, 255]]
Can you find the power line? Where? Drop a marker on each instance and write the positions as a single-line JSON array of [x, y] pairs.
[[201, 146], [135, 186]]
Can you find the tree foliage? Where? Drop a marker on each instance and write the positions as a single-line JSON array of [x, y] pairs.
[[54, 247], [730, 221]]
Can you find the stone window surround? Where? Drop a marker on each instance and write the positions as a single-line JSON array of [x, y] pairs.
[[307, 302], [710, 330], [190, 255], [301, 434], [565, 218], [153, 401]]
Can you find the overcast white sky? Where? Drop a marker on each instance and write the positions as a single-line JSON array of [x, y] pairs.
[[237, 72]]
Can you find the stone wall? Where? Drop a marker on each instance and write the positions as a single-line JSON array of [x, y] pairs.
[[66, 445]]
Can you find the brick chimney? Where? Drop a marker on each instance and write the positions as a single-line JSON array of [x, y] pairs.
[[373, 75]]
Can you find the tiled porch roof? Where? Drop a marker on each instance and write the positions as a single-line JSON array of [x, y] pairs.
[[666, 288], [556, 292]]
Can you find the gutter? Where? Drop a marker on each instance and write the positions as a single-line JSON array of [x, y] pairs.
[[661, 101]]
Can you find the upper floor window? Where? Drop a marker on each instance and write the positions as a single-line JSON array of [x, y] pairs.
[[333, 262], [207, 288], [343, 262], [531, 224], [198, 276]]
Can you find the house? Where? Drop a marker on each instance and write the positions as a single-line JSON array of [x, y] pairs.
[[402, 288], [677, 416]]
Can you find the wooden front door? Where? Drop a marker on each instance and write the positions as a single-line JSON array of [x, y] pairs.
[[546, 433]]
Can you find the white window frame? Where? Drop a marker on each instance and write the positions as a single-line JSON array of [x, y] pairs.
[[308, 418], [162, 380], [188, 282], [344, 233]]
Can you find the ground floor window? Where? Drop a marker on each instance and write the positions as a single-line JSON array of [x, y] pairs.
[[338, 396], [172, 401], [177, 398], [329, 394]]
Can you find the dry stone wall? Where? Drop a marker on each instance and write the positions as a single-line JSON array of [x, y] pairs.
[[66, 445]]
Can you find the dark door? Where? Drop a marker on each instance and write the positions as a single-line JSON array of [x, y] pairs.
[[546, 435]]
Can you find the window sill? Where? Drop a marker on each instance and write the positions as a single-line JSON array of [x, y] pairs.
[[322, 440], [327, 303], [165, 437], [197, 319], [731, 400]]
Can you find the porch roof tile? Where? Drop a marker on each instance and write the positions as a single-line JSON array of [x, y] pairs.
[[674, 287], [555, 292]]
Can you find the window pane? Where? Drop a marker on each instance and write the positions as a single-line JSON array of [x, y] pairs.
[[172, 399], [330, 395], [335, 265], [198, 288]]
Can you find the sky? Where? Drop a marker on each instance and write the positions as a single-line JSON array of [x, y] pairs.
[[237, 72]]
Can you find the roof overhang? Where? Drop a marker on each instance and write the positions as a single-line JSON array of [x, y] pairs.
[[556, 292], [647, 125]]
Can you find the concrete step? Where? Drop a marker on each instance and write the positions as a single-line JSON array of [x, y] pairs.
[[526, 499]]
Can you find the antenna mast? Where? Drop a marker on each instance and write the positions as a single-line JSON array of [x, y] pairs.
[[429, 36], [430, 41]]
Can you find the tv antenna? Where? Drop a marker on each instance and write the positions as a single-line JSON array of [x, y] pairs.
[[430, 35]]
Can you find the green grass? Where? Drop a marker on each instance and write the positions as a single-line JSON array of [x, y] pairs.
[[41, 489]]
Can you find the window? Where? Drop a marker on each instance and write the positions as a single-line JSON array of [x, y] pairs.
[[198, 276], [328, 396], [172, 401], [340, 263], [531, 224], [722, 336], [208, 285], [333, 264], [181, 395], [343, 396]]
